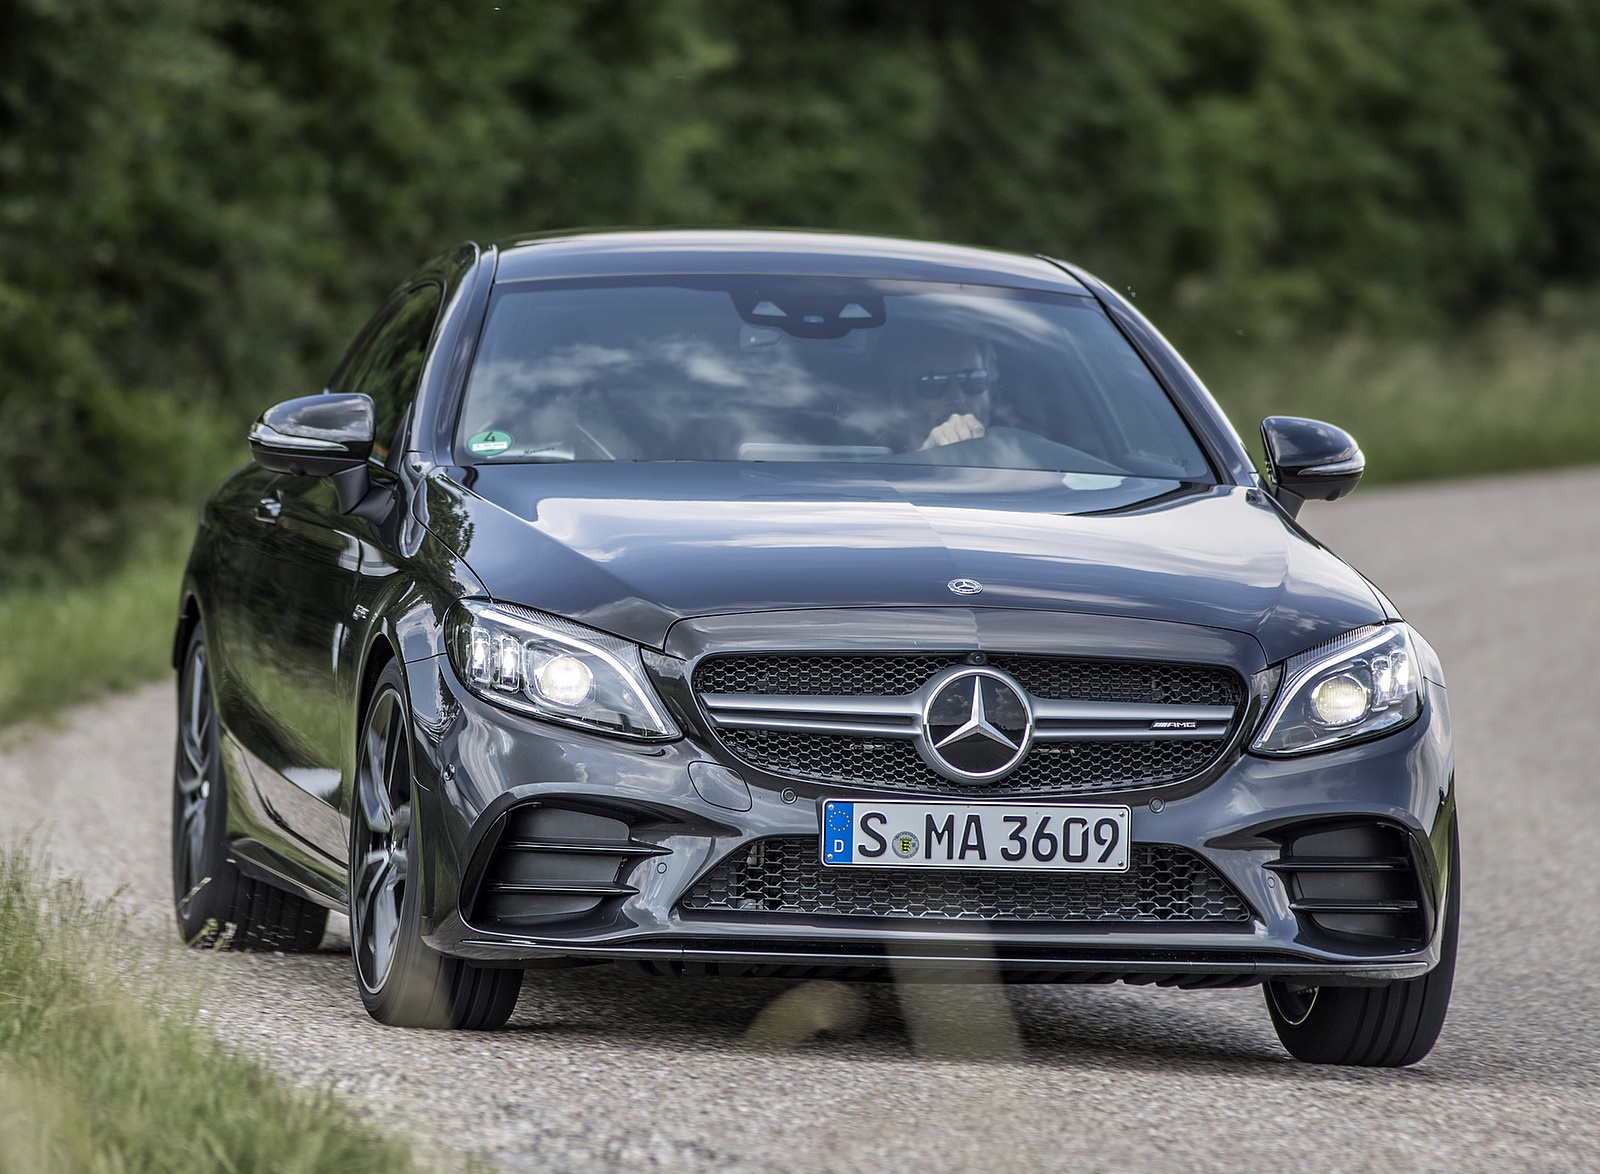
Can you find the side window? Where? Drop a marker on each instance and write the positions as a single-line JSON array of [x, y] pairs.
[[390, 364]]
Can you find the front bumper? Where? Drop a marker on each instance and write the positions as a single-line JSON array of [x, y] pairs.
[[478, 767]]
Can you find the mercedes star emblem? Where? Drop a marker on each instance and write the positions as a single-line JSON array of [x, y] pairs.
[[976, 724], [965, 586]]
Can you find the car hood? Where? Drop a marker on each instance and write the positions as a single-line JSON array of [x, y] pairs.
[[633, 548]]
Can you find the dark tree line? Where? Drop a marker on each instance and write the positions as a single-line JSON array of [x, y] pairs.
[[200, 199]]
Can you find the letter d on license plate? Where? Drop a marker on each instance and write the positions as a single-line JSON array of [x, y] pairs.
[[904, 833]]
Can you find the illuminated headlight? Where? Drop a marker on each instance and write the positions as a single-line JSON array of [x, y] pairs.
[[563, 680], [1338, 701], [555, 669], [1356, 686]]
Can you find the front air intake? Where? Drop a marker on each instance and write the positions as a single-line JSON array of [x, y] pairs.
[[1356, 883], [553, 864], [782, 877]]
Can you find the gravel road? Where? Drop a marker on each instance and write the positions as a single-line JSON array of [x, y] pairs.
[[599, 1071]]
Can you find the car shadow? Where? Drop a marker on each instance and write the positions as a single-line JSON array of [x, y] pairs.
[[884, 1020], [1061, 1027]]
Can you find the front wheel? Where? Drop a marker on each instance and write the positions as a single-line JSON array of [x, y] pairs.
[[1386, 1026], [403, 982]]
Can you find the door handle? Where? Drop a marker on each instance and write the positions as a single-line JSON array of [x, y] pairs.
[[268, 509]]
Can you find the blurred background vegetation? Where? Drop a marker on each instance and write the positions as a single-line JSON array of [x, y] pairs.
[[1382, 211]]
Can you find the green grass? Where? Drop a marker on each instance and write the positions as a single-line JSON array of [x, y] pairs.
[[70, 638], [1515, 394], [96, 1078]]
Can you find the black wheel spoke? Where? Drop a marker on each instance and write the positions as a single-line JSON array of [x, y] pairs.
[[401, 824], [197, 768], [379, 913], [375, 745], [196, 836], [373, 794], [395, 764], [196, 725]]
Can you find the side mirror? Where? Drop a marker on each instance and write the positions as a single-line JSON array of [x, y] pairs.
[[315, 435], [1310, 461]]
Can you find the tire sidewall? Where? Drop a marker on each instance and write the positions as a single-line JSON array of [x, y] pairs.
[[415, 991], [201, 905]]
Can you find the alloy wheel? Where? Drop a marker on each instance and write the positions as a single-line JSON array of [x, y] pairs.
[[196, 736], [382, 840]]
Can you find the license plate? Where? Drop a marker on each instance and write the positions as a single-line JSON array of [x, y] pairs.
[[907, 833]]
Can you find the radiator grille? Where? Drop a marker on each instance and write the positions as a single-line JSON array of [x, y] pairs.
[[1050, 769], [784, 876], [892, 674], [876, 762]]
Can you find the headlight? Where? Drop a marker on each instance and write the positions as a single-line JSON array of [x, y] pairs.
[[555, 669], [1358, 685]]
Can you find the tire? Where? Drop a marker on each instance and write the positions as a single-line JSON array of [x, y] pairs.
[[402, 981], [1386, 1026], [216, 905]]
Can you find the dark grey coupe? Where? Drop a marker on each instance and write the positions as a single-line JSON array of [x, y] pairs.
[[792, 604]]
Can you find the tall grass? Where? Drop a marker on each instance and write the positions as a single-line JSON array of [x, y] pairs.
[[70, 638], [94, 1078], [1515, 394]]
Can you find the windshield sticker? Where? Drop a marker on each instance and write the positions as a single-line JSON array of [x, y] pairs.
[[489, 444]]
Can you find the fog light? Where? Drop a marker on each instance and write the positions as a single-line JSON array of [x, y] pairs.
[[1340, 700], [565, 680]]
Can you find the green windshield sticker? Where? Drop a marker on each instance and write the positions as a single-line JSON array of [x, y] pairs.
[[488, 444]]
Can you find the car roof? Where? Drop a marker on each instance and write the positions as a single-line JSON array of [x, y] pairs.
[[633, 252]]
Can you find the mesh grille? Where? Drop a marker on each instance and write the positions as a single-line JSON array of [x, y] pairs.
[[820, 676], [888, 675], [1051, 768], [1165, 884], [1131, 681]]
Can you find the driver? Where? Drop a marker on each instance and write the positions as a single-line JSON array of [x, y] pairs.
[[942, 389]]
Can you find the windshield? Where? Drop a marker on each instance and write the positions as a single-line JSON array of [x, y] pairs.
[[816, 369]]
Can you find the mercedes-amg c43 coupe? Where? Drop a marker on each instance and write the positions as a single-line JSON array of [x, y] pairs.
[[792, 604]]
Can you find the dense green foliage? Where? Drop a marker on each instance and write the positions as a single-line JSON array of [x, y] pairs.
[[201, 199]]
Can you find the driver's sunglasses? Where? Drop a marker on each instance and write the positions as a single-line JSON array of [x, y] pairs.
[[939, 384]]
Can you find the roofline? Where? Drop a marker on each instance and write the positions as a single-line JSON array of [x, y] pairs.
[[622, 251]]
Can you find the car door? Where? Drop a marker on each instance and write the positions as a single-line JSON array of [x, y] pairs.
[[318, 572]]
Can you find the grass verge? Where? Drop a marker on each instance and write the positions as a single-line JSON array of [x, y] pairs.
[[70, 639], [94, 1078], [1514, 394]]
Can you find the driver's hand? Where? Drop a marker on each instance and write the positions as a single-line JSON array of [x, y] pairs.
[[960, 426]]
